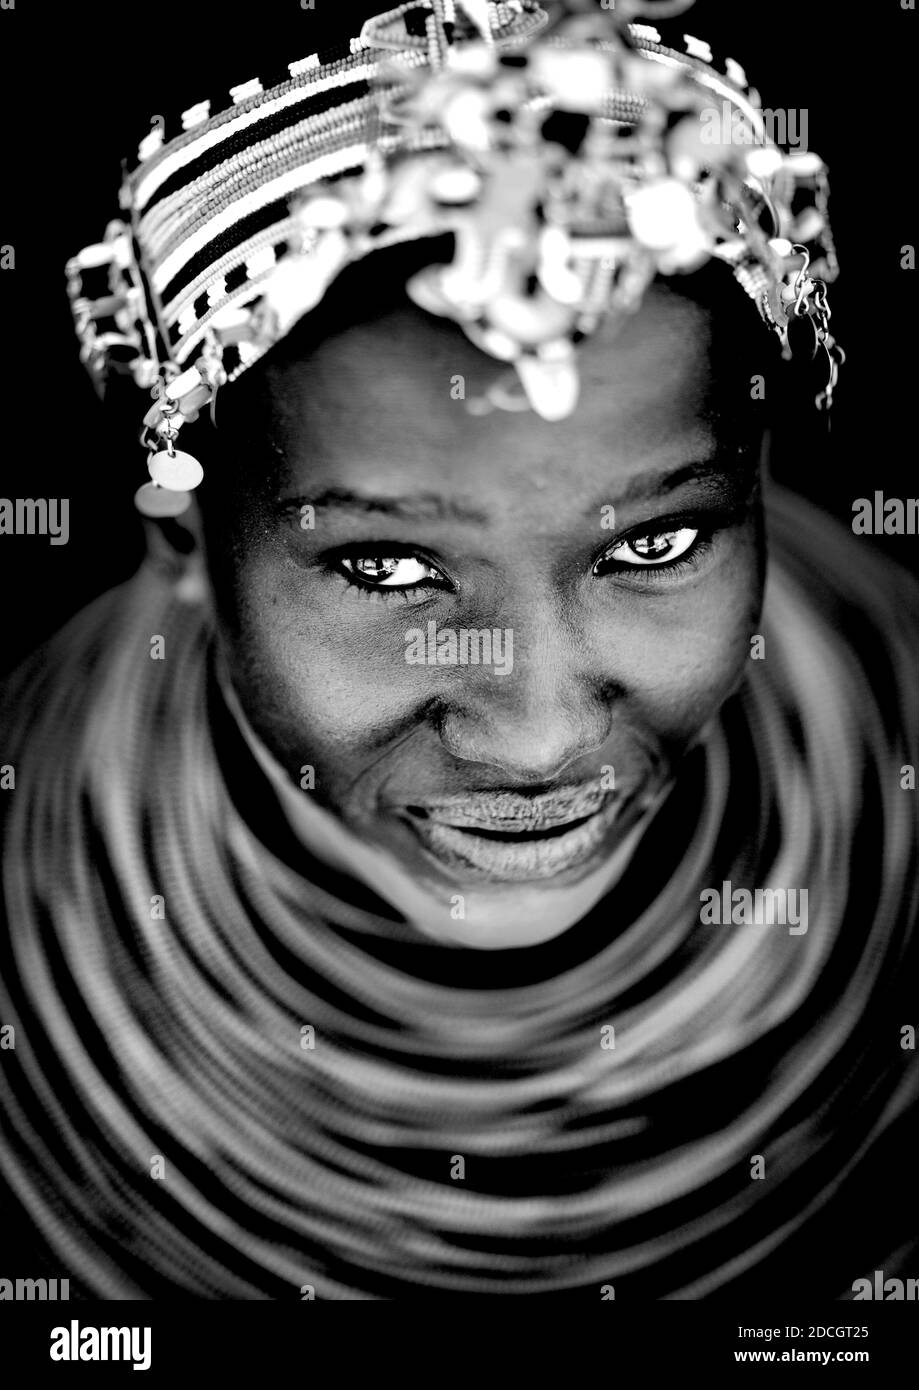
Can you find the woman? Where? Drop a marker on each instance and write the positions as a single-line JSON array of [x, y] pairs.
[[388, 861]]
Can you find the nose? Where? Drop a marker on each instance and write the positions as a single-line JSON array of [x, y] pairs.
[[550, 710]]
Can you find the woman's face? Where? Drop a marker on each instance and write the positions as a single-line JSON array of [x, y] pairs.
[[493, 636]]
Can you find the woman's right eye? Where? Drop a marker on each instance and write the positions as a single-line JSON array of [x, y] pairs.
[[389, 572]]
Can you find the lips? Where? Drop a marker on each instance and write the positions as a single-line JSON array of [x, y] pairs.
[[507, 837], [511, 812]]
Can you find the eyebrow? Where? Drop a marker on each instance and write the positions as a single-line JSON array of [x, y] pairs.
[[431, 506], [647, 486], [421, 506]]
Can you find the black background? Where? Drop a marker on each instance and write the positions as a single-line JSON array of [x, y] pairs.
[[79, 85]]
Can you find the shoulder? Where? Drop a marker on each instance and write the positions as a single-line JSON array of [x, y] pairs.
[[841, 615], [82, 715]]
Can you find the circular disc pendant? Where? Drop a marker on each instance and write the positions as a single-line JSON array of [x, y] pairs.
[[179, 472], [151, 500]]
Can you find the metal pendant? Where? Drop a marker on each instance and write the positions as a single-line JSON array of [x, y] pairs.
[[154, 501], [178, 471]]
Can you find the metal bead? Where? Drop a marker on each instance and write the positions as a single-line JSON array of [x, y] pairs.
[[180, 472], [456, 185], [763, 163], [551, 387], [528, 320]]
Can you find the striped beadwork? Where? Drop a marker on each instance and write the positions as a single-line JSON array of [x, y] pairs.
[[211, 204], [212, 209]]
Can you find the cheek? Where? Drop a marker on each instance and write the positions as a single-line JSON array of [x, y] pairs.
[[309, 685], [679, 656]]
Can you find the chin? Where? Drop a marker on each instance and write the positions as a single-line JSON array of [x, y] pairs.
[[501, 891], [505, 916], [496, 922]]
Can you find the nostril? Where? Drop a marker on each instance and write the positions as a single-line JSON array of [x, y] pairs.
[[418, 811]]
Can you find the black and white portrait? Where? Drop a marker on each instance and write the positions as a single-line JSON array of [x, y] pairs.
[[460, 711]]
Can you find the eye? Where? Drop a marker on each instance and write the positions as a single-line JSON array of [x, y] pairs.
[[650, 549], [389, 571]]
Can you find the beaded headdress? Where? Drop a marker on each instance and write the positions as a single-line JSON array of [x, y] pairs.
[[572, 161]]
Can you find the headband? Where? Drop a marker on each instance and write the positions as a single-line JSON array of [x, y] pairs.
[[572, 163]]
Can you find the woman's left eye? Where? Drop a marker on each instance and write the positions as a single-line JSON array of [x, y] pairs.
[[388, 571], [653, 549]]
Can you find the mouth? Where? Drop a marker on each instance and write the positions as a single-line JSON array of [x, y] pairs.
[[505, 837]]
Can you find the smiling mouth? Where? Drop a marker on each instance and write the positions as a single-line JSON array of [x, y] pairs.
[[510, 838], [508, 835], [517, 836]]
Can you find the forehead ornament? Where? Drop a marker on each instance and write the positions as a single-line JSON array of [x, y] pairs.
[[572, 164]]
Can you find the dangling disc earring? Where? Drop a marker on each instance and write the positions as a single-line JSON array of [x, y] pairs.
[[173, 473]]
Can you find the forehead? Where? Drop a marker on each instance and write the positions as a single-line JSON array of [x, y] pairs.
[[385, 399]]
